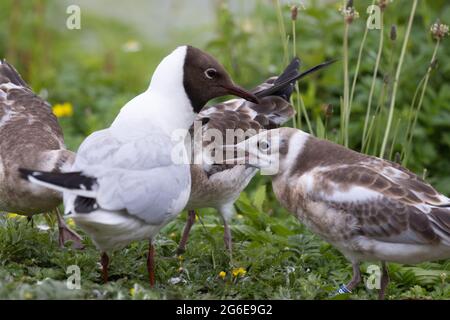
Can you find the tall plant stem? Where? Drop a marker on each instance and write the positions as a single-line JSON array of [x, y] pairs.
[[358, 63], [282, 31], [396, 79], [300, 106], [303, 108], [374, 117], [410, 134], [374, 80], [405, 149], [297, 123], [394, 140], [344, 109]]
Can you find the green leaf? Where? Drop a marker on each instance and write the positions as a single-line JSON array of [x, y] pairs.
[[320, 128], [260, 197]]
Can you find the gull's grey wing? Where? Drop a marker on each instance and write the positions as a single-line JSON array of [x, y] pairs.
[[153, 195], [102, 147], [138, 176]]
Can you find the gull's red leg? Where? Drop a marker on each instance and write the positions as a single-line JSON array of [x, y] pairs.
[[384, 281], [65, 233], [187, 228], [105, 263], [151, 263], [227, 237]]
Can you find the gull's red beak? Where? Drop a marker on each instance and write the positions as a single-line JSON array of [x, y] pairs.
[[239, 92]]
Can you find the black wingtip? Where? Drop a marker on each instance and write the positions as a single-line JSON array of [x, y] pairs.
[[284, 85], [316, 68], [290, 72], [25, 173]]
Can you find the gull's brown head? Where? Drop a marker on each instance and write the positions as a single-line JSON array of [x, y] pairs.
[[205, 78]]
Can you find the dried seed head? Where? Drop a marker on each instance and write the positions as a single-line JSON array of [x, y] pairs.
[[439, 30], [349, 12], [294, 12], [393, 34], [383, 4], [327, 109]]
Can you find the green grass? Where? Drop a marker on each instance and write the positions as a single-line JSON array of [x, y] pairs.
[[282, 259]]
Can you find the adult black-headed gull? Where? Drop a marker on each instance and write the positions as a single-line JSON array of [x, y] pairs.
[[370, 209], [30, 137], [217, 185], [125, 183]]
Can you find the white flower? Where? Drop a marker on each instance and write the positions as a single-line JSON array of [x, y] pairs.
[[349, 13], [176, 280], [131, 46], [439, 30]]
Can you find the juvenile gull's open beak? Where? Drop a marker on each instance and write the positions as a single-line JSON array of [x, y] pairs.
[[238, 91], [233, 149]]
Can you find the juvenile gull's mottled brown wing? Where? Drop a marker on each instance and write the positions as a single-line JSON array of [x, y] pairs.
[[388, 202], [240, 114], [27, 124]]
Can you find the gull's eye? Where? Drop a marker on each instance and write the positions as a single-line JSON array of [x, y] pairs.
[[263, 145], [211, 73]]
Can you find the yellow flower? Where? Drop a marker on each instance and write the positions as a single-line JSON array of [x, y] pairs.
[[71, 223], [63, 109], [247, 26], [132, 291], [180, 258], [12, 215], [173, 235], [222, 274], [239, 272], [28, 295]]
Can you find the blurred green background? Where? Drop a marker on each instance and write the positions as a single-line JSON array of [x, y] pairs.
[[89, 74], [111, 58]]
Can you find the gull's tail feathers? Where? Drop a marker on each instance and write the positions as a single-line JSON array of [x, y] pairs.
[[72, 182], [8, 74]]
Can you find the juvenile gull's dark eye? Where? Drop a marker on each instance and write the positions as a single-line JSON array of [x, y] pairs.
[[210, 73], [263, 145]]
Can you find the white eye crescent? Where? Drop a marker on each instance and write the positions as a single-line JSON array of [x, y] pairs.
[[263, 145], [210, 73]]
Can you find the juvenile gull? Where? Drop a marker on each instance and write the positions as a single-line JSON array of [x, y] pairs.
[[125, 184], [30, 137], [370, 209], [218, 186]]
